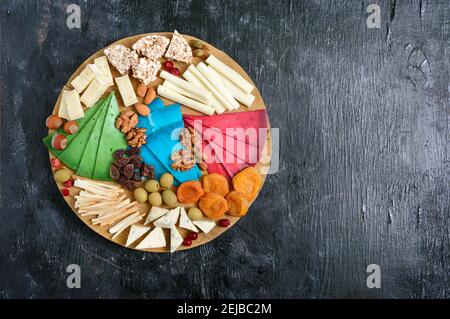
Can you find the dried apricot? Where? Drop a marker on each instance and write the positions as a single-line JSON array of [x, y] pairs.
[[190, 192], [238, 204], [213, 205], [215, 183], [248, 182]]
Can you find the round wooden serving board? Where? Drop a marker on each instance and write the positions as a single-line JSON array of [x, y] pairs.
[[262, 166]]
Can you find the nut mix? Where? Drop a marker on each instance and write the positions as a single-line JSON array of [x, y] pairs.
[[184, 159], [136, 137], [126, 121]]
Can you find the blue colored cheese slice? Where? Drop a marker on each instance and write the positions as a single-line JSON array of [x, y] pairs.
[[81, 82], [135, 233], [155, 213], [175, 239], [94, 92], [185, 222], [155, 239]]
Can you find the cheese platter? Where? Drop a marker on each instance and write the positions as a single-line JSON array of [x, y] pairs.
[[129, 157]]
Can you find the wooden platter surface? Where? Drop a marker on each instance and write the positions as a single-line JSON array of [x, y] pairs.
[[262, 166]]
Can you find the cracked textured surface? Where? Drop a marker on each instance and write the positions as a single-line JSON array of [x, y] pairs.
[[364, 131]]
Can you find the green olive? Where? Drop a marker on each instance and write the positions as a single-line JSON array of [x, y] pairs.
[[152, 186], [166, 180], [169, 198], [155, 199], [140, 195], [62, 175], [198, 53], [197, 44], [195, 213]]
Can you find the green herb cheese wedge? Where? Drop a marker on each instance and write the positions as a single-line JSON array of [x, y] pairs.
[[111, 139], [71, 156], [81, 123], [87, 162]]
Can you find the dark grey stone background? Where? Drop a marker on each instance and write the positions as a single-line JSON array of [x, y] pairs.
[[364, 175]]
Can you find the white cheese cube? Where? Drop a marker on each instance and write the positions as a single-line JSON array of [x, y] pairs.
[[94, 92], [126, 90], [104, 71], [81, 82]]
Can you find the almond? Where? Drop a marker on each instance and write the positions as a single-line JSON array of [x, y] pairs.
[[141, 90], [142, 109], [150, 95]]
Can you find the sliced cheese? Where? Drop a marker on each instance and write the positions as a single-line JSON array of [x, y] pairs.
[[126, 90], [71, 102], [185, 85], [175, 239], [136, 232], [104, 72], [231, 74], [223, 101], [205, 225], [155, 213], [93, 93], [168, 220], [185, 222], [155, 239], [177, 97], [214, 101], [81, 82], [245, 98], [217, 83], [63, 112]]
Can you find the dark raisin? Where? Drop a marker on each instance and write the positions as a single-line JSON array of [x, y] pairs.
[[135, 160], [128, 171], [136, 176], [121, 162], [118, 154], [122, 180], [129, 185], [114, 172], [133, 151]]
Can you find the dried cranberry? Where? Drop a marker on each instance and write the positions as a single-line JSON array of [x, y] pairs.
[[133, 151], [224, 222], [128, 171], [187, 242], [56, 163], [118, 154], [168, 65], [68, 183], [65, 192], [175, 71], [121, 162], [135, 160], [192, 236], [114, 172]]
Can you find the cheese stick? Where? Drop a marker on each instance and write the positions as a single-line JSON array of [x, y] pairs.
[[122, 223], [232, 103], [215, 103], [210, 87], [231, 74], [100, 184], [194, 89], [184, 92], [245, 98], [176, 97]]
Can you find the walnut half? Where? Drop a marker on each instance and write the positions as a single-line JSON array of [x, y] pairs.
[[126, 121], [137, 137]]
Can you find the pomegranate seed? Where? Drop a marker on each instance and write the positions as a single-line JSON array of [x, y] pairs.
[[56, 163], [224, 222], [187, 242], [168, 65], [68, 183], [175, 71], [192, 236], [65, 192]]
